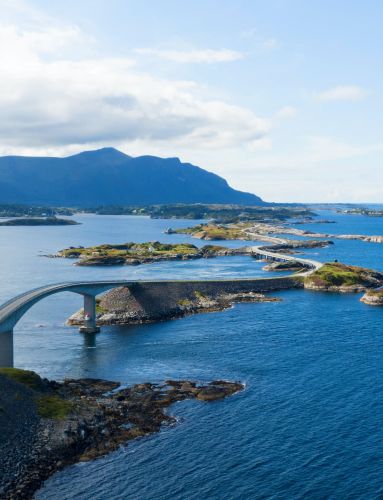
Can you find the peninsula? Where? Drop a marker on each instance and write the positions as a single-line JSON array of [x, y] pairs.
[[47, 425]]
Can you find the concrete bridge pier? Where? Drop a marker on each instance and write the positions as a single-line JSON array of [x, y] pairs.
[[6, 349], [89, 315]]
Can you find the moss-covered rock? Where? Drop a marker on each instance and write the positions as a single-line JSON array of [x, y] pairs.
[[54, 407], [26, 377]]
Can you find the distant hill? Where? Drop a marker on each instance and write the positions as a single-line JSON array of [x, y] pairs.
[[109, 177]]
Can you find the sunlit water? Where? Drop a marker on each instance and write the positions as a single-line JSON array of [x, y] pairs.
[[308, 424]]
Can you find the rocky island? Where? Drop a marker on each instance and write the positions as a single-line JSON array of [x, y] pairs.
[[132, 254], [142, 304], [46, 425], [337, 277], [263, 232], [38, 221]]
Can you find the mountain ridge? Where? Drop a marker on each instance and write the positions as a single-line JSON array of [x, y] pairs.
[[108, 176]]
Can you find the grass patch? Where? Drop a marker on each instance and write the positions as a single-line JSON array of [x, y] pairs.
[[53, 407], [215, 232], [129, 250], [375, 293], [337, 274], [26, 377], [184, 302]]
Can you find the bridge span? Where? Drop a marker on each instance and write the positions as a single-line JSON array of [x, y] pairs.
[[13, 310]]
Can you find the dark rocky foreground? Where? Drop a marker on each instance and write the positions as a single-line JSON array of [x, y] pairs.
[[46, 425]]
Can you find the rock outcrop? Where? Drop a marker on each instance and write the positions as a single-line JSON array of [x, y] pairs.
[[124, 306], [373, 297], [50, 425]]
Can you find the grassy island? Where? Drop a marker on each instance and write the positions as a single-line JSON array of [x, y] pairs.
[[38, 221], [341, 277], [141, 253], [215, 231]]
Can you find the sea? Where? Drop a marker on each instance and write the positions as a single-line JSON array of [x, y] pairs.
[[308, 424]]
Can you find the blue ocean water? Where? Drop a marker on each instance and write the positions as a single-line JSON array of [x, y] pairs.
[[308, 424]]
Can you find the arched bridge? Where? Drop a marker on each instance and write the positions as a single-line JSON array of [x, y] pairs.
[[13, 310]]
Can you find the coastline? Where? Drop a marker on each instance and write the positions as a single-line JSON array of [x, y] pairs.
[[85, 419]]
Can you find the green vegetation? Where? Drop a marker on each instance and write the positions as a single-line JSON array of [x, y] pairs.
[[53, 407], [26, 377], [221, 213], [33, 221], [131, 250], [99, 308], [17, 210], [375, 293], [48, 405], [139, 253], [370, 212], [184, 302], [215, 232], [337, 274]]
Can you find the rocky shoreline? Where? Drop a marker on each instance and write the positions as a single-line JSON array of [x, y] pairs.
[[116, 307], [263, 232], [373, 297], [134, 254], [342, 278], [56, 424]]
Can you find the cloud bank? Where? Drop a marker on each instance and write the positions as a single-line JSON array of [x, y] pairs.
[[54, 96]]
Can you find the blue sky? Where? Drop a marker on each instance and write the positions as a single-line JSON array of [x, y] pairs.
[[283, 98]]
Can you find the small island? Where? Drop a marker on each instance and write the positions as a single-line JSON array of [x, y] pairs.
[[132, 254], [38, 221], [369, 212], [262, 231], [47, 425], [337, 277]]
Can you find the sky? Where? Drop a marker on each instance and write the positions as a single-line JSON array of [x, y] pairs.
[[283, 98]]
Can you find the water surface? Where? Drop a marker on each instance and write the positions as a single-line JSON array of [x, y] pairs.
[[308, 424]]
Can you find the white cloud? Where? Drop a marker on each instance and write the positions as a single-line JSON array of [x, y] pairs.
[[286, 112], [53, 96], [206, 56], [342, 93]]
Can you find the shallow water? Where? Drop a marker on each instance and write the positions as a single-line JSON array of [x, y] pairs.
[[308, 424]]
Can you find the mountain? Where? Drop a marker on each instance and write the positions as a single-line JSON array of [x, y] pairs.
[[109, 177]]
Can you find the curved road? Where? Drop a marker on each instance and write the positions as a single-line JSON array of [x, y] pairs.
[[14, 309], [312, 265]]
